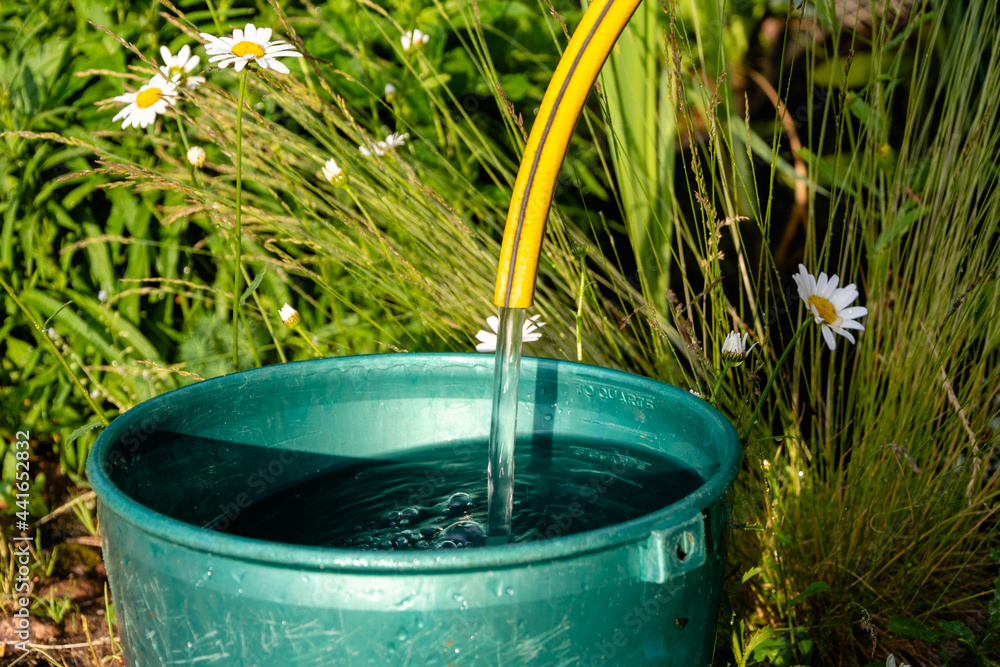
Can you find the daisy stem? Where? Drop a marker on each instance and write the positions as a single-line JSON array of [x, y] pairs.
[[239, 219], [180, 127], [187, 147], [718, 381], [43, 335], [368, 223], [309, 340], [774, 374]]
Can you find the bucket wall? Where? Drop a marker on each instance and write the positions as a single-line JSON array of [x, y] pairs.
[[172, 473]]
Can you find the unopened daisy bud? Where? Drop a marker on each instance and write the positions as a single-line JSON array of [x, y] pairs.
[[390, 92], [196, 156], [413, 39], [333, 173], [289, 316], [734, 348]]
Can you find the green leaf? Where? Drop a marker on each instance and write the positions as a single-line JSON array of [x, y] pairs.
[[785, 169], [910, 27], [811, 589], [253, 286], [760, 635], [908, 627], [866, 114], [898, 228], [959, 629], [92, 424], [435, 81], [749, 574]]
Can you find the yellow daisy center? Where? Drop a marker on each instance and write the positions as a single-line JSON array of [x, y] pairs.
[[246, 49], [148, 98], [824, 308]]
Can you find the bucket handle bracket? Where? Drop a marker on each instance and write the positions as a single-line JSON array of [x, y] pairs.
[[670, 553]]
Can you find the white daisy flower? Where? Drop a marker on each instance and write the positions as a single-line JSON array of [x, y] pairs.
[[380, 148], [414, 39], [828, 304], [395, 140], [102, 296], [147, 103], [178, 68], [289, 316], [332, 172], [390, 91], [735, 348], [249, 45], [196, 156], [891, 662], [488, 341]]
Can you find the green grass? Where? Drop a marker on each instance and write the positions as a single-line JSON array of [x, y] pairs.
[[864, 520]]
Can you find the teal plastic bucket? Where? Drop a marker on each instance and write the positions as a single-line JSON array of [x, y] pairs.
[[642, 592]]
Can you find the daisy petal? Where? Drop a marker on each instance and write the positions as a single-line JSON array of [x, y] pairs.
[[853, 313], [832, 285], [828, 337], [277, 66]]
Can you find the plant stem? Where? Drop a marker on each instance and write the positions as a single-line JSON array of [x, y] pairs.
[[41, 334], [309, 340], [725, 369], [187, 147], [239, 219], [774, 374], [215, 17]]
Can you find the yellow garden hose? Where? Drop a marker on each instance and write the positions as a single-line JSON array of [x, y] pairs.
[[543, 156]]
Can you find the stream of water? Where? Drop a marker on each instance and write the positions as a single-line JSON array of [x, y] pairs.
[[503, 423]]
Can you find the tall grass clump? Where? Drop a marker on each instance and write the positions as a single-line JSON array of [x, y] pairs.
[[867, 502]]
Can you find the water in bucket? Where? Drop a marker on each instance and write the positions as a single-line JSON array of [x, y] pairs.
[[434, 499]]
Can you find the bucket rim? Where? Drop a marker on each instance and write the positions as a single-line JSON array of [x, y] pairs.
[[181, 533]]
